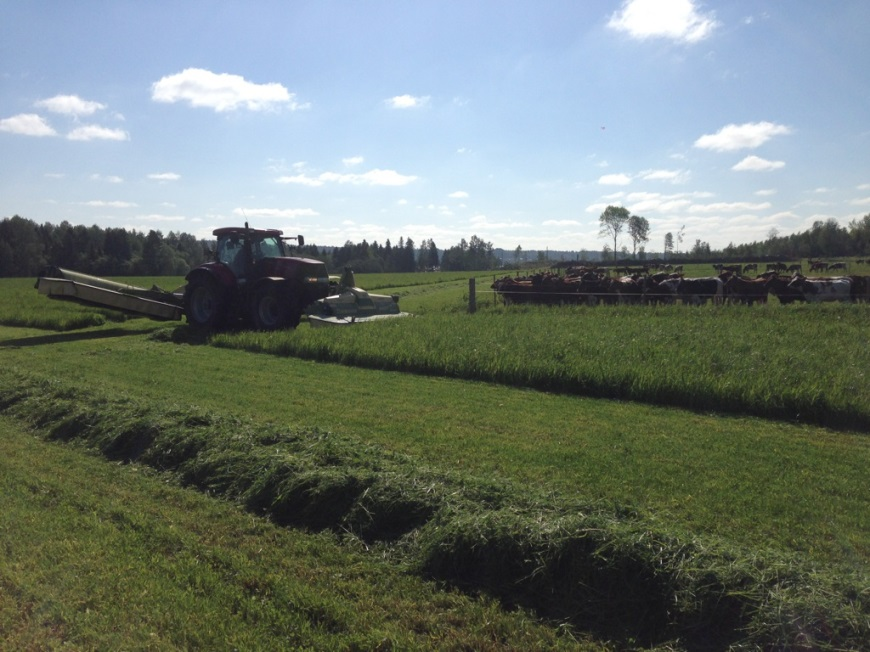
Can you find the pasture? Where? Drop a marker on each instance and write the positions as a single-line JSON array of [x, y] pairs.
[[709, 440]]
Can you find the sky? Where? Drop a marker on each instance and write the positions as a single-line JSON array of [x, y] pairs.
[[515, 121]]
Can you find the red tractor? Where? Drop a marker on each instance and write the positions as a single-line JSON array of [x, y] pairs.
[[252, 278]]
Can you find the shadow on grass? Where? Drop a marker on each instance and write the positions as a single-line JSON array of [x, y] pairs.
[[179, 335]]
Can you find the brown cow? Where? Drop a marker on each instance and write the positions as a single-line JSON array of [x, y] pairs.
[[743, 290]]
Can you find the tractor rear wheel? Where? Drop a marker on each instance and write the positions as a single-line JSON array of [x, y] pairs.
[[205, 304], [272, 309]]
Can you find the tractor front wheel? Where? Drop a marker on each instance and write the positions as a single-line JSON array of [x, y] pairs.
[[205, 304], [272, 309]]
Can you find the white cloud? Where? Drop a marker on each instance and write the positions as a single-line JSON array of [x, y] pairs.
[[729, 207], [407, 102], [288, 213], [863, 201], [678, 20], [674, 176], [560, 223], [221, 92], [374, 177], [444, 211], [614, 180], [70, 105], [459, 194], [352, 161], [301, 179], [767, 192], [164, 176], [27, 124], [649, 201], [483, 222], [109, 179], [109, 204], [756, 164], [95, 132], [746, 136]]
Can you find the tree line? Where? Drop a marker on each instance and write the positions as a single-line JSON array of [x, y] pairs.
[[471, 255], [27, 247], [823, 240]]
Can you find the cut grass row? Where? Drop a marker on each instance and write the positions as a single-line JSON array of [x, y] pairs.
[[103, 556], [599, 568]]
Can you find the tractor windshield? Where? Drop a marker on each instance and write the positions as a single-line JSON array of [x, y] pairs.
[[267, 247]]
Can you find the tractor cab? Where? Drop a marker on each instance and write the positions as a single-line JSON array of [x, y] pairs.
[[243, 249]]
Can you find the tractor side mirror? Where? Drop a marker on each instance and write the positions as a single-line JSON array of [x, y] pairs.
[[300, 241]]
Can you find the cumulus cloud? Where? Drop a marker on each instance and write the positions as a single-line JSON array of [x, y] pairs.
[[757, 164], [746, 136], [374, 177], [27, 124], [95, 132], [221, 92], [459, 194], [352, 161], [614, 180], [678, 20], [164, 176], [407, 102], [70, 105]]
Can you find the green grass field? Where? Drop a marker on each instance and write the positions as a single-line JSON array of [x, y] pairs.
[[508, 396]]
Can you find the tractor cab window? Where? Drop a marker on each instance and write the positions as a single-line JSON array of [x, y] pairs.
[[269, 247], [231, 252]]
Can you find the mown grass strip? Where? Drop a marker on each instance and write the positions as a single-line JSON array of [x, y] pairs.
[[603, 569], [796, 363], [758, 483], [101, 556]]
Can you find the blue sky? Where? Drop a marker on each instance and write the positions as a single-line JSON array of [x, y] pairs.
[[518, 122]]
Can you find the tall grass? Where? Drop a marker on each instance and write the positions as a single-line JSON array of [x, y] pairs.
[[805, 363]]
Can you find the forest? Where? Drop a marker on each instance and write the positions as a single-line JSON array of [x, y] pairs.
[[26, 247]]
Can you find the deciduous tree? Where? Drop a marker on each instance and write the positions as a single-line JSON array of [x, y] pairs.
[[612, 222]]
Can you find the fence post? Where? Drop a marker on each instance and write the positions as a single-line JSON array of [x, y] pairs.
[[472, 298]]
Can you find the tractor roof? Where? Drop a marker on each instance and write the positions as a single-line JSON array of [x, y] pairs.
[[240, 230]]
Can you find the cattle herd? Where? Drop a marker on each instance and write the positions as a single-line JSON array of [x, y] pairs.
[[642, 285]]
